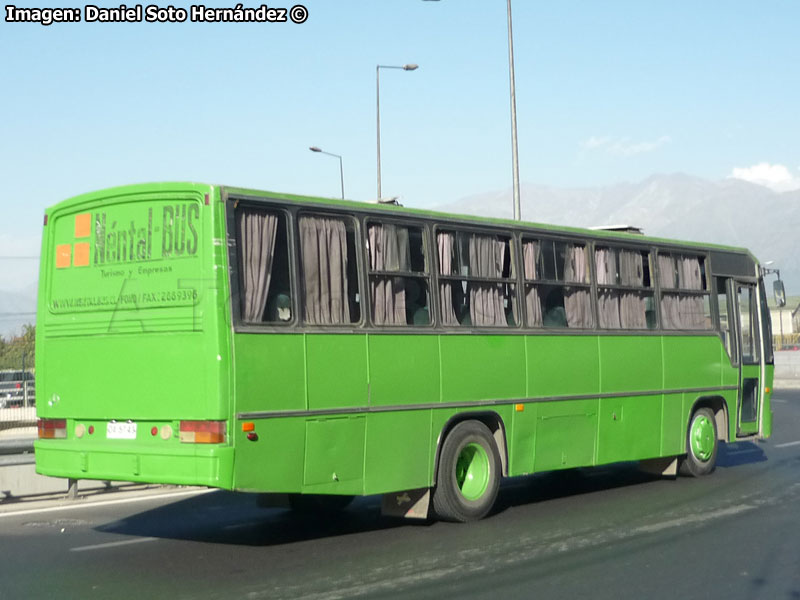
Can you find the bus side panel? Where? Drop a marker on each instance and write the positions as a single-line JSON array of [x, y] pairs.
[[630, 364], [336, 370], [566, 434], [274, 462], [403, 370], [691, 361], [673, 429], [630, 428], [270, 372], [562, 365], [482, 367], [398, 455]]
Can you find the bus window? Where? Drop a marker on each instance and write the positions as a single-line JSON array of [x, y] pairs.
[[398, 280], [557, 289], [265, 288], [330, 270], [624, 289], [684, 292], [724, 318], [476, 279], [748, 321]]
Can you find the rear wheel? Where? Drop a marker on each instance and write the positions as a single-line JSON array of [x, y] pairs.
[[701, 444], [469, 474]]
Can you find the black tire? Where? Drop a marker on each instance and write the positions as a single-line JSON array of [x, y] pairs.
[[320, 504], [467, 488], [701, 444]]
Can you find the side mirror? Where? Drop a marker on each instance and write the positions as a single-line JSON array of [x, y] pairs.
[[780, 292]]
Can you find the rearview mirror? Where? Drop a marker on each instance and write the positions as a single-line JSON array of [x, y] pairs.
[[780, 292]]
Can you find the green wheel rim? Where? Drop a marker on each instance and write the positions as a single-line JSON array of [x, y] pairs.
[[472, 471], [702, 438]]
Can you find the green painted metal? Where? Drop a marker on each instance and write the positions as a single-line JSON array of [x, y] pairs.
[[146, 334], [701, 438], [472, 471]]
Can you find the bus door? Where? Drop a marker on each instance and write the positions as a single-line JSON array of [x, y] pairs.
[[749, 350]]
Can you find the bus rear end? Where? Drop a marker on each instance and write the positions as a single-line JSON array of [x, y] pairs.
[[132, 350]]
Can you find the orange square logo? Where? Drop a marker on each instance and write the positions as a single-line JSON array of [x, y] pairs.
[[63, 256], [83, 226], [81, 258]]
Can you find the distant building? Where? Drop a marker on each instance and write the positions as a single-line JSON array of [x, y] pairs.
[[785, 324]]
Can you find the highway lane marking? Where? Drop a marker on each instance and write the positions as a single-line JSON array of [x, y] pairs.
[[691, 519], [35, 511], [112, 544], [779, 401], [787, 444]]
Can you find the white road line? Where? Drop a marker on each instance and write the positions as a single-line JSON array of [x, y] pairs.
[[35, 511], [779, 401], [112, 544], [787, 444]]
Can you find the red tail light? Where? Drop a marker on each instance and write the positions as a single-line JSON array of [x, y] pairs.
[[203, 432], [50, 429]]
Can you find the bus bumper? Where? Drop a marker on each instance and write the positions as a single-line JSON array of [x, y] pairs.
[[189, 464]]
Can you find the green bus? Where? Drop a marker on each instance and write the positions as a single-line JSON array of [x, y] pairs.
[[314, 350]]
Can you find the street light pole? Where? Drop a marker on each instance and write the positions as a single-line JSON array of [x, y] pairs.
[[408, 67], [341, 169], [514, 155]]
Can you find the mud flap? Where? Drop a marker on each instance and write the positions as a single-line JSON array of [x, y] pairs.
[[411, 504], [667, 466]]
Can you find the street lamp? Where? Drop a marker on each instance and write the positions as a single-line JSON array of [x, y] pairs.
[[341, 169], [514, 156], [408, 67]]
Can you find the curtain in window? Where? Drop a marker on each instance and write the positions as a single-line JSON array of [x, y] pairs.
[[388, 251], [632, 309], [577, 301], [607, 300], [533, 303], [681, 311], [486, 256], [323, 252], [257, 234], [444, 243], [691, 306]]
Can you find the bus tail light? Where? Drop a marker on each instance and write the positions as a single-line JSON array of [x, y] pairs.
[[50, 429], [202, 432]]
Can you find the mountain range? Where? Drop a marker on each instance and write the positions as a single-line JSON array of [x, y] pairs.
[[679, 206]]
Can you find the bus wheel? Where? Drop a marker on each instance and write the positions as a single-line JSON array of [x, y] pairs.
[[469, 474], [318, 503], [701, 442]]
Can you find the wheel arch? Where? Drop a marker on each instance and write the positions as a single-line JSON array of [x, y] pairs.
[[491, 420], [719, 406]]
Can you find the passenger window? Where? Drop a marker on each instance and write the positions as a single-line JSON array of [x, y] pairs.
[[476, 279], [625, 297], [265, 288], [398, 274], [557, 288], [330, 270], [685, 301]]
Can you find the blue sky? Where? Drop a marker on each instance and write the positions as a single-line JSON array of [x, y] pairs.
[[606, 92]]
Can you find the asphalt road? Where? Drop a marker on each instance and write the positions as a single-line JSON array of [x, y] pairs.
[[603, 533]]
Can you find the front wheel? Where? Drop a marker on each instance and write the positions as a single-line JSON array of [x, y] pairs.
[[469, 474], [701, 444]]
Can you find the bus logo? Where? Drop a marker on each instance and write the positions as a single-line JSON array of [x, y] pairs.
[[116, 243]]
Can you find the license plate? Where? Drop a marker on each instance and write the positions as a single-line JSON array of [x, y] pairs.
[[121, 431]]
